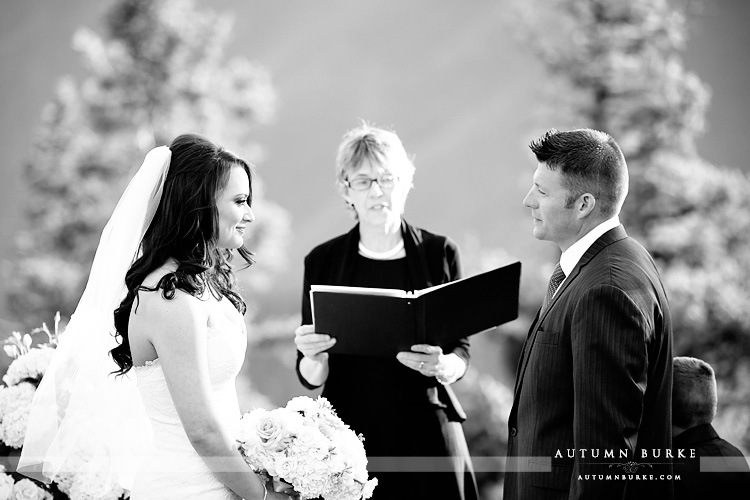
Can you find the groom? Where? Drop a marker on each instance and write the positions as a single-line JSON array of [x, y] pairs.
[[594, 382]]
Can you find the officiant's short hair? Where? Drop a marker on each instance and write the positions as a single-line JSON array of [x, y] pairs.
[[379, 146], [694, 394]]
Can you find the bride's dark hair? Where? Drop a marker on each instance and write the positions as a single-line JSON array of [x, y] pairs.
[[185, 228]]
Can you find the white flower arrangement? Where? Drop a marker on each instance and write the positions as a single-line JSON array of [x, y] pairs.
[[6, 484], [29, 366], [15, 403], [25, 489], [22, 377], [308, 446], [86, 483]]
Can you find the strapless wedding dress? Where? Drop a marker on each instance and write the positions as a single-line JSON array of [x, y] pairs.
[[172, 469]]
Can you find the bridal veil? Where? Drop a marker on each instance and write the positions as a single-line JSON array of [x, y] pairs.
[[83, 418]]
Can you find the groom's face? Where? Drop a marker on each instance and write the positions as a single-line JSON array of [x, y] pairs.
[[547, 199]]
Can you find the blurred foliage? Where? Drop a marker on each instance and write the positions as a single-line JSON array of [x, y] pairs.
[[616, 66], [487, 404], [158, 70], [477, 258]]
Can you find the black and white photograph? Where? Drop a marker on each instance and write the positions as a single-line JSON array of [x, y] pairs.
[[342, 250]]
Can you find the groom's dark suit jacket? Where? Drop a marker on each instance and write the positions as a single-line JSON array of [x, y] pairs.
[[595, 374]]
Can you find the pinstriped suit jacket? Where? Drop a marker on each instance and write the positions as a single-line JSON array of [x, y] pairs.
[[595, 374]]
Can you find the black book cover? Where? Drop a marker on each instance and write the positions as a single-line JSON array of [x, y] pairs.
[[383, 322]]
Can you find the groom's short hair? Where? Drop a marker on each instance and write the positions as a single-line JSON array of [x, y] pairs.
[[694, 397], [590, 161]]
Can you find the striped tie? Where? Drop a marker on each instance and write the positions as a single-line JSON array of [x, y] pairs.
[[558, 276]]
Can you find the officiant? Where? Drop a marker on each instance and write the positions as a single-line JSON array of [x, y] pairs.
[[403, 405]]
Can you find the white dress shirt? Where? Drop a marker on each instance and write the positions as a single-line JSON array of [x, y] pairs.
[[573, 254]]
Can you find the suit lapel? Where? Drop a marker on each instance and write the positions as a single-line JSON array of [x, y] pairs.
[[611, 236], [615, 234]]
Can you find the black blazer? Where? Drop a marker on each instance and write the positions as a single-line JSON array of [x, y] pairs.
[[595, 373], [431, 259], [734, 484]]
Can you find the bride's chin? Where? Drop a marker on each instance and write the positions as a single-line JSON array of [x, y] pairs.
[[233, 246]]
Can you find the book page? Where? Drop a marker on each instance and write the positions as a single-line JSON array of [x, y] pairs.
[[418, 293], [384, 292]]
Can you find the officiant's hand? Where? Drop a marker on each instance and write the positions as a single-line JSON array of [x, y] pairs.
[[430, 361], [313, 345], [426, 359]]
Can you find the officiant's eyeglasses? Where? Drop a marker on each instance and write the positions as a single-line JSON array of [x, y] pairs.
[[364, 183]]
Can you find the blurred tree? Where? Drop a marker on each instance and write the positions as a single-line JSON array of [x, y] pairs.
[[616, 66], [158, 70], [487, 403]]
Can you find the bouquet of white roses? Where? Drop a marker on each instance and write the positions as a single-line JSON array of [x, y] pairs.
[[308, 446], [24, 489]]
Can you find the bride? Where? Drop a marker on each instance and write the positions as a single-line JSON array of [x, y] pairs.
[[181, 333]]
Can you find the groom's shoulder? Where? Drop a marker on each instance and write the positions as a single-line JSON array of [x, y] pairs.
[[629, 249], [624, 264]]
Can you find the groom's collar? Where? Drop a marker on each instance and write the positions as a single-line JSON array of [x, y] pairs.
[[573, 254]]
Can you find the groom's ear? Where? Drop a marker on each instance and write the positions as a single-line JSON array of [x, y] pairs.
[[585, 205]]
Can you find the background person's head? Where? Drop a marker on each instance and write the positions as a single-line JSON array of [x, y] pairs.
[[368, 152], [694, 394], [581, 181]]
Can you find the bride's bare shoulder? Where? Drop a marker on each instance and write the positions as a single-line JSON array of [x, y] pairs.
[[155, 276], [152, 304]]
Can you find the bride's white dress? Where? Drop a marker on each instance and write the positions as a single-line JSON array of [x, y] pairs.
[[172, 469]]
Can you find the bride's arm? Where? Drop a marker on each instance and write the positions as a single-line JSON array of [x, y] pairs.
[[177, 329]]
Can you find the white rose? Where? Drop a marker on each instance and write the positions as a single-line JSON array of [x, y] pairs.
[[312, 439], [302, 404], [6, 485], [285, 467], [247, 434], [272, 432], [26, 489], [291, 421]]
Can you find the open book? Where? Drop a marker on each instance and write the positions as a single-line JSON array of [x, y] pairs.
[[383, 322]]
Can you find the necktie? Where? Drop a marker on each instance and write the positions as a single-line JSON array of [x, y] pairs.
[[558, 276]]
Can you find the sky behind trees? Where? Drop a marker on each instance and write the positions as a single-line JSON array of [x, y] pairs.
[[455, 84]]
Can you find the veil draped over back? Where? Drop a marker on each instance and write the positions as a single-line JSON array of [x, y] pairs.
[[84, 419]]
